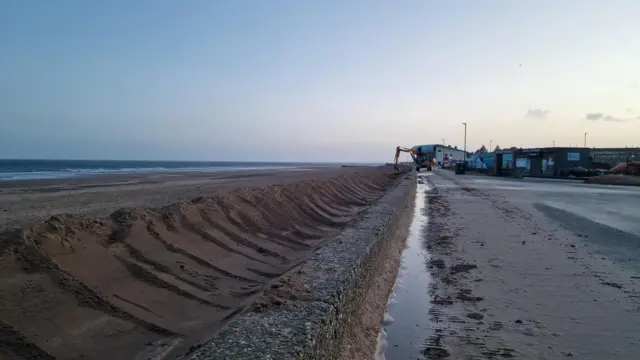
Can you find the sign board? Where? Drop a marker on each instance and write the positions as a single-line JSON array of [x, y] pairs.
[[521, 163], [530, 150], [573, 156]]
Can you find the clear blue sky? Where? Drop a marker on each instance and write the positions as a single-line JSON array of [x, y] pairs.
[[312, 80]]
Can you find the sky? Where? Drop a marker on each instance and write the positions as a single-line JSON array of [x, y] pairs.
[[329, 80]]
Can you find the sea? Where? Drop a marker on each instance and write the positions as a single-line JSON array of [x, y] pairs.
[[52, 169]]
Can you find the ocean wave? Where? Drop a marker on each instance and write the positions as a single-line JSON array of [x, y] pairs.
[[68, 173], [52, 169]]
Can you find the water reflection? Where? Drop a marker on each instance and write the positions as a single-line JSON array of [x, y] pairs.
[[406, 323]]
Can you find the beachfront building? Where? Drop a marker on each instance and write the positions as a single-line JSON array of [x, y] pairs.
[[560, 161], [481, 160], [444, 155]]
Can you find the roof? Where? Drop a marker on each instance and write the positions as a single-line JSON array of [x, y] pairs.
[[430, 147]]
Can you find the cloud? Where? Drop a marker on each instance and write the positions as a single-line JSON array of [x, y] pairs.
[[594, 116], [612, 119], [608, 118], [537, 113]]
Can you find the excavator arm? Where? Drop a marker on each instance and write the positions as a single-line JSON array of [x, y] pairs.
[[398, 151]]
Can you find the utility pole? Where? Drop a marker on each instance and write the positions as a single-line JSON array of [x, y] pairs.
[[585, 139], [465, 141]]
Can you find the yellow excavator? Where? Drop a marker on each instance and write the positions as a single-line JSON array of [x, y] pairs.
[[420, 158]]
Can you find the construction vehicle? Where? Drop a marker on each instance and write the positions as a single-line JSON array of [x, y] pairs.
[[420, 159]]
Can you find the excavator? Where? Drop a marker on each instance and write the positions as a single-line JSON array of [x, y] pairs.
[[421, 159]]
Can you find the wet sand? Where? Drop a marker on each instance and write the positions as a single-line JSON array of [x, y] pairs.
[[407, 321], [102, 283], [512, 283]]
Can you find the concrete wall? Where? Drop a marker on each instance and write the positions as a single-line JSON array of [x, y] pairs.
[[337, 276]]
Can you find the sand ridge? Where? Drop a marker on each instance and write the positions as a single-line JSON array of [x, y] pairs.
[[26, 201], [76, 286]]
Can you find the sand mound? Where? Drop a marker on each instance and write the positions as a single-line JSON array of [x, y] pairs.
[[155, 279]]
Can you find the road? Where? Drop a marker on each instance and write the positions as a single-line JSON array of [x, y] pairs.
[[532, 269], [609, 216]]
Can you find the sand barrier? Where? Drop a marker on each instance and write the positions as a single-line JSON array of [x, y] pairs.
[[154, 283], [320, 296]]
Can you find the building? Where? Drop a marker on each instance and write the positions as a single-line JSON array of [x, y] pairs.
[[608, 158], [444, 155], [481, 160], [559, 161]]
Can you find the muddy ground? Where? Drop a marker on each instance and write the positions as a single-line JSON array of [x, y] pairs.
[[511, 282]]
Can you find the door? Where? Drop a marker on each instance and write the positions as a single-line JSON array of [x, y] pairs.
[[536, 166]]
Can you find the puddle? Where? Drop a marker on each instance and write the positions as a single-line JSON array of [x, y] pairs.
[[406, 323]]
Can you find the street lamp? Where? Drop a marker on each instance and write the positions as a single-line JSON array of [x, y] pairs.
[[585, 139], [465, 141], [629, 159]]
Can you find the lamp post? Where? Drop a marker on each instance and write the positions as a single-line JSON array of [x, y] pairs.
[[585, 139], [465, 141], [629, 159]]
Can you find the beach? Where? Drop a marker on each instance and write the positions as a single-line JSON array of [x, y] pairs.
[[23, 201], [119, 266], [151, 266]]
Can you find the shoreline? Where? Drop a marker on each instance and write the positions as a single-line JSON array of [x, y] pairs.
[[35, 169], [141, 175]]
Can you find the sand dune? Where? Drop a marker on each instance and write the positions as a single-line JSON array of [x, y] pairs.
[[76, 286]]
